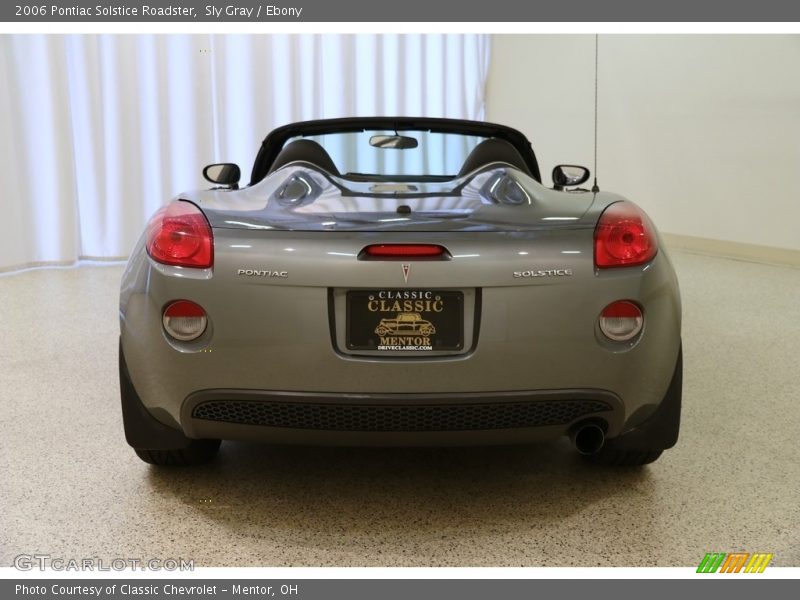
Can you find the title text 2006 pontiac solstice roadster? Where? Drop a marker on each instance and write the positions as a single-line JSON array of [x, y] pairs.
[[399, 281]]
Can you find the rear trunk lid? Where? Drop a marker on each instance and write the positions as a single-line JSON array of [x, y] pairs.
[[290, 251], [299, 198]]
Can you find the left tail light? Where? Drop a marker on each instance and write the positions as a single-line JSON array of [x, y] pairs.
[[179, 234], [624, 237]]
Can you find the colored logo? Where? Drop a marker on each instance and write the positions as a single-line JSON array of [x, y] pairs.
[[735, 562]]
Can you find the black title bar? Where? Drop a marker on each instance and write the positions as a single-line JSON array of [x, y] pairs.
[[492, 11], [732, 588]]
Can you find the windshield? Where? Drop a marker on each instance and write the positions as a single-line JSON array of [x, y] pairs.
[[405, 155]]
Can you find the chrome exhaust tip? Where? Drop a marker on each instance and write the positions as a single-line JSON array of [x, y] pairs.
[[588, 438]]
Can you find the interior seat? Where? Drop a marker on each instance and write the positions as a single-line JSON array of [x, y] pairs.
[[491, 151], [305, 150]]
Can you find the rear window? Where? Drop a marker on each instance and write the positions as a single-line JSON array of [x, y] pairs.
[[403, 155]]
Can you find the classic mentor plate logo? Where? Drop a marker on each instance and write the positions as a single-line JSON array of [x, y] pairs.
[[405, 320], [405, 328]]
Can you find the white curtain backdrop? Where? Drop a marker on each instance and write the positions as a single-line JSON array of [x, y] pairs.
[[99, 131]]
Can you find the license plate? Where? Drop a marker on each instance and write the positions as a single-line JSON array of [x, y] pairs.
[[405, 320]]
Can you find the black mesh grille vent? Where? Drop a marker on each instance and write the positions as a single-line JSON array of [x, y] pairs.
[[406, 417]]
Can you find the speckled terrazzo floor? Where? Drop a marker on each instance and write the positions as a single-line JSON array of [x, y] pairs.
[[71, 487]]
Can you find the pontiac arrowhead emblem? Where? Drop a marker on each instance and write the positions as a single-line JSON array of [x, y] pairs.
[[406, 269]]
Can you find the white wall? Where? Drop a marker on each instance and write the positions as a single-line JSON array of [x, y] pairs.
[[702, 131]]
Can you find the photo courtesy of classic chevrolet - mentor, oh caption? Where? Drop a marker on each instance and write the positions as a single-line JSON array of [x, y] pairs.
[[400, 281]]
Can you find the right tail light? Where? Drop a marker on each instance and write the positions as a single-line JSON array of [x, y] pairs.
[[624, 237]]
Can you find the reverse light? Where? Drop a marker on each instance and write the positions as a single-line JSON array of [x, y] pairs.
[[624, 237], [409, 251], [184, 320], [179, 234], [621, 321]]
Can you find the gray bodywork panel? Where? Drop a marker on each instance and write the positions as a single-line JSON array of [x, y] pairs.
[[285, 333], [496, 198]]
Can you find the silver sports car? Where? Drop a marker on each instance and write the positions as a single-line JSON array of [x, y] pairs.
[[399, 281]]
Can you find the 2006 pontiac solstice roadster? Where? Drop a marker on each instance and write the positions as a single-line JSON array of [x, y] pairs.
[[399, 281]]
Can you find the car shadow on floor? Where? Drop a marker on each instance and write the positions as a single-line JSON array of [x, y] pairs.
[[264, 491]]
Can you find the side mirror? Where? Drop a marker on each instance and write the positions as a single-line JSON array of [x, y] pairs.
[[227, 174], [569, 175]]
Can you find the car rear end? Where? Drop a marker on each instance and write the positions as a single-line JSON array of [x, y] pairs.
[[540, 325]]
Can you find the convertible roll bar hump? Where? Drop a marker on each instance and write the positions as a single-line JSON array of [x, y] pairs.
[[276, 139]]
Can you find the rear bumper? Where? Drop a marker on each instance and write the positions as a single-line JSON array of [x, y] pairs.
[[396, 419], [287, 336]]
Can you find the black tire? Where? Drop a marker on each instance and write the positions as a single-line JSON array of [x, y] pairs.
[[153, 441], [198, 452], [623, 458], [644, 444]]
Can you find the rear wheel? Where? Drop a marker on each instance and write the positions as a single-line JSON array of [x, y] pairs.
[[196, 453], [645, 443], [153, 441], [623, 458]]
